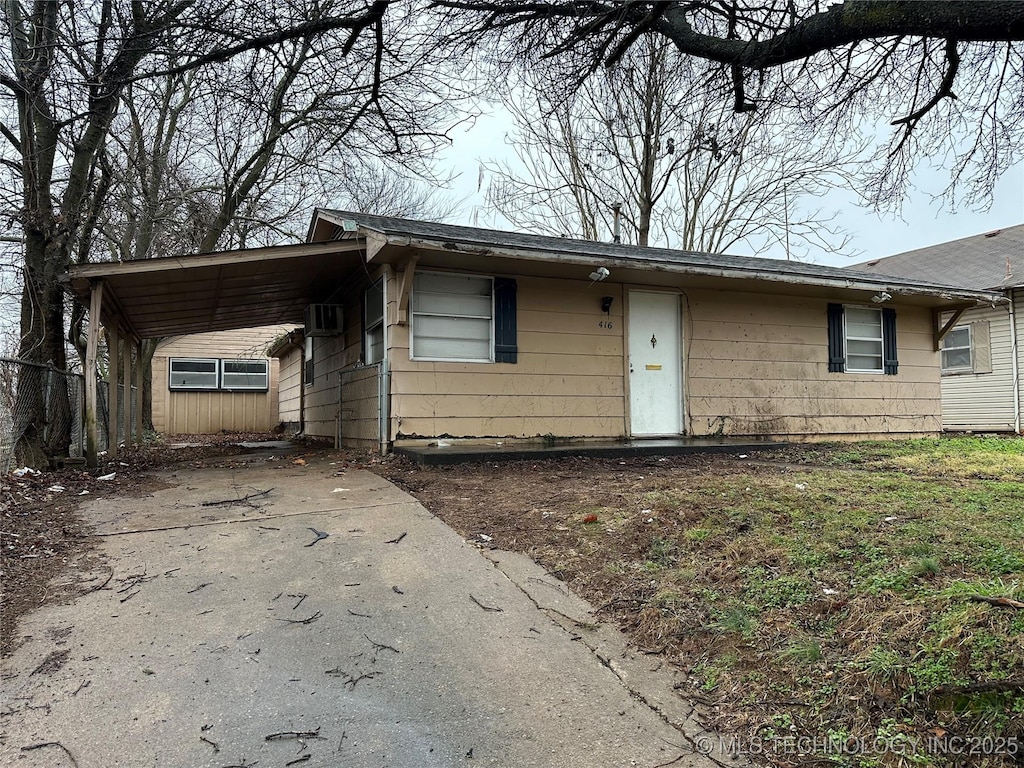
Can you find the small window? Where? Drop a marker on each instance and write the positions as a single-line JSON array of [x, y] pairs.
[[245, 374], [862, 340], [193, 373], [864, 347], [373, 323], [452, 317], [956, 350]]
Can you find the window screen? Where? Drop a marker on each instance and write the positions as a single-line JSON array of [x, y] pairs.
[[193, 373], [245, 374]]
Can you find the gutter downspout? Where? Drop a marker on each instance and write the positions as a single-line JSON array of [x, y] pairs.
[[1015, 363]]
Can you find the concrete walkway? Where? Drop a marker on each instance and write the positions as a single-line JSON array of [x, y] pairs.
[[227, 637]]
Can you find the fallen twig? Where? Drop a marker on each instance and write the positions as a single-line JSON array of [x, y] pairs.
[[398, 538], [990, 686], [101, 586], [294, 735], [488, 608], [126, 598], [350, 679], [298, 760], [307, 620], [1000, 602], [301, 598], [57, 744], [243, 500], [360, 615], [379, 646], [216, 749], [320, 535], [204, 584]]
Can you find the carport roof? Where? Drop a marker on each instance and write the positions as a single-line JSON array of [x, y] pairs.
[[217, 291]]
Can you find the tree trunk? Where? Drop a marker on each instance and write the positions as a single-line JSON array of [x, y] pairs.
[[42, 410], [148, 350]]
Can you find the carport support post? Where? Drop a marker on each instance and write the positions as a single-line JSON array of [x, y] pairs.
[[112, 383], [91, 346], [127, 381], [138, 391]]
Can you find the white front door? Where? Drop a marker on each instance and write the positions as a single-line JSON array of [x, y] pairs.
[[655, 364]]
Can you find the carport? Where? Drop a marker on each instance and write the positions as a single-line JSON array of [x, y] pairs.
[[221, 291]]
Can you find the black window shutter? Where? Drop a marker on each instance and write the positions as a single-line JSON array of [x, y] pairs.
[[836, 345], [506, 349], [889, 352]]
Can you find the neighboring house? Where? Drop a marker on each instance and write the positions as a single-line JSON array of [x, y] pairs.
[[413, 331], [982, 352], [206, 383]]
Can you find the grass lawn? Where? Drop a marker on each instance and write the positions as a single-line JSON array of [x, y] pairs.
[[853, 602]]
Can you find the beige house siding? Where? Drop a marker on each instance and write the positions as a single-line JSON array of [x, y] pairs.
[[983, 401], [333, 356], [758, 365], [568, 381], [290, 387], [211, 412]]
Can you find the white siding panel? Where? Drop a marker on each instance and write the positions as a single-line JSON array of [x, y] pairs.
[[982, 402]]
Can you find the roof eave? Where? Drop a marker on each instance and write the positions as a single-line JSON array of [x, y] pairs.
[[901, 288]]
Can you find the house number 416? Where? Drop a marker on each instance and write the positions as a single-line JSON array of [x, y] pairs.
[[605, 324]]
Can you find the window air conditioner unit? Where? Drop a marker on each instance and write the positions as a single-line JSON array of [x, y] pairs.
[[324, 320]]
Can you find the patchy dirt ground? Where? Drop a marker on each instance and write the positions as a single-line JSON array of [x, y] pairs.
[[829, 605]]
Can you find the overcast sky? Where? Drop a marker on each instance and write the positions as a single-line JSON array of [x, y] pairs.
[[923, 222]]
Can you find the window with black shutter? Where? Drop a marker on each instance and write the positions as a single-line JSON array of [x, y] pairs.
[[862, 340]]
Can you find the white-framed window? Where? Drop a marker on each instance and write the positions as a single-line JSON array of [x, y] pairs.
[[864, 345], [956, 350], [452, 317], [193, 373], [373, 323], [245, 374]]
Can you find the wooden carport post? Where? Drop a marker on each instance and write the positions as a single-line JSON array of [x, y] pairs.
[[138, 391], [113, 344], [126, 380], [91, 350]]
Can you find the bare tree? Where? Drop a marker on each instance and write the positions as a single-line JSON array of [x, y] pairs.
[[948, 75], [654, 136], [68, 72]]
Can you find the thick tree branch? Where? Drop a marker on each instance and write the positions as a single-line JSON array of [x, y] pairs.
[[945, 88], [310, 29]]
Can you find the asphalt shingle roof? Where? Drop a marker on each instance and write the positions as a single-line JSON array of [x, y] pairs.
[[461, 237], [990, 261]]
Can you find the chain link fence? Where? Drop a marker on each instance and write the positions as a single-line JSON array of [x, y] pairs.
[[47, 407]]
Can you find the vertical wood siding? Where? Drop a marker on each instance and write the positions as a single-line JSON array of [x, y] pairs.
[[211, 412], [983, 401]]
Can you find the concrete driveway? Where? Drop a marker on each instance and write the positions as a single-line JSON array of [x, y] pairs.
[[229, 634]]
